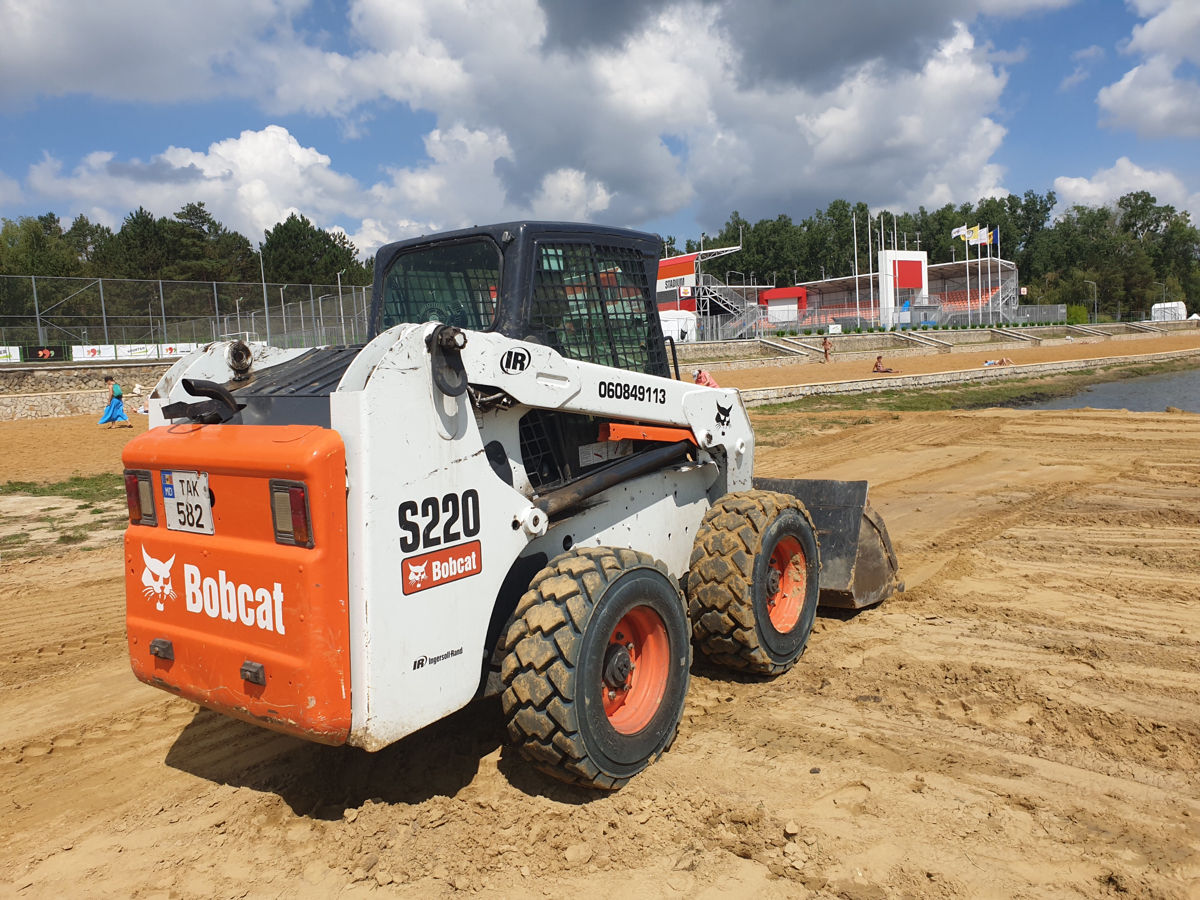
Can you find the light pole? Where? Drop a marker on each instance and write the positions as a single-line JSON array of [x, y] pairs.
[[262, 271], [341, 309], [237, 304], [283, 313], [1095, 303]]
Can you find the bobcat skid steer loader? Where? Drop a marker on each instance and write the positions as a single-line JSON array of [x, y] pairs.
[[503, 490]]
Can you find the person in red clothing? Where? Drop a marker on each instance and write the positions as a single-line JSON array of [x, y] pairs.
[[703, 379]]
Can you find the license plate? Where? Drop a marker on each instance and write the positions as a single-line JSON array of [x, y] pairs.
[[185, 496]]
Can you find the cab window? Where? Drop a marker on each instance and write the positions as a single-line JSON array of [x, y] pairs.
[[455, 284], [590, 303]]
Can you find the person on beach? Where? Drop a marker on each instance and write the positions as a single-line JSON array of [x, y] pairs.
[[1002, 361], [703, 379], [826, 346], [114, 412], [880, 367]]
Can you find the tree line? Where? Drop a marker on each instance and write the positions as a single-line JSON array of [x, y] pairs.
[[191, 245], [1127, 255], [1136, 252]]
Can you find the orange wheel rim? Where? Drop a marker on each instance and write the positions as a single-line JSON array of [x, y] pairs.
[[636, 668], [787, 575]]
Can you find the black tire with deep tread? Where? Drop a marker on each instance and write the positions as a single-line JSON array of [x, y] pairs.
[[568, 611], [730, 622]]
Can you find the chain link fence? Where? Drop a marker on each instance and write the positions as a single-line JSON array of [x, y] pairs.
[[71, 312]]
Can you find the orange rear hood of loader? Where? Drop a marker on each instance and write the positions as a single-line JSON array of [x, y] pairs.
[[216, 603]]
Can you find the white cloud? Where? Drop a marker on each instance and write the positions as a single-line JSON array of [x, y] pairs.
[[1153, 101], [1107, 185], [130, 49], [1171, 29], [1016, 8], [668, 111], [10, 191], [1154, 98], [250, 183], [1083, 59], [1077, 76]]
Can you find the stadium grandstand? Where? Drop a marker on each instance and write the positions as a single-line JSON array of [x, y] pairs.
[[903, 292]]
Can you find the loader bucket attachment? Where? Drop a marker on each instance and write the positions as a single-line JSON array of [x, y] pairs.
[[858, 563]]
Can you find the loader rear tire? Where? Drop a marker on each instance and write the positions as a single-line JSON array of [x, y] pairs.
[[753, 582], [595, 666]]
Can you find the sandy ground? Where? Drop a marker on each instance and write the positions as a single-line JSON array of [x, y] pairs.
[[813, 372], [1023, 721]]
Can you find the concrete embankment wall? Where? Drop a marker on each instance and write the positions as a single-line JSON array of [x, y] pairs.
[[38, 392], [30, 391]]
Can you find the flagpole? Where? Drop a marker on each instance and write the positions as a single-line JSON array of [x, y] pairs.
[[870, 271], [967, 269], [999, 270], [989, 268], [857, 307]]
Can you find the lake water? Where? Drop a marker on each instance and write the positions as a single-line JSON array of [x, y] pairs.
[[1149, 393]]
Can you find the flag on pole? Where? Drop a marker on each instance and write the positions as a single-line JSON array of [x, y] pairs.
[[982, 236], [971, 234], [959, 231]]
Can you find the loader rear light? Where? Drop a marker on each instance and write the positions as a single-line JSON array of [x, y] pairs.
[[289, 510], [139, 497]]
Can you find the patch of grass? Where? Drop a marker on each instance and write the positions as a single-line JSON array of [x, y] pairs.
[[72, 537], [89, 488], [14, 540]]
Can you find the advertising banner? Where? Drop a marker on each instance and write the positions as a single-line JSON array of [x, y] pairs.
[[137, 351], [93, 351], [169, 351], [44, 353], [10, 354]]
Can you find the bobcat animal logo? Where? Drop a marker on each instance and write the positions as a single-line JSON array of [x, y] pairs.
[[723, 414], [416, 574], [156, 580]]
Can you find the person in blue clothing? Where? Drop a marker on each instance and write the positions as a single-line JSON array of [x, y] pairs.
[[114, 413]]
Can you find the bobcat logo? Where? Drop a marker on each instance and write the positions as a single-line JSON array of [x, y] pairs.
[[723, 414], [416, 574], [156, 579]]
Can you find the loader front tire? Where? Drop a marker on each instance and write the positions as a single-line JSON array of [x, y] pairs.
[[595, 666], [753, 583]]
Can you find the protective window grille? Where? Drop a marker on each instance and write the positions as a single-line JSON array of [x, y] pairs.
[[456, 284], [537, 450], [592, 303]]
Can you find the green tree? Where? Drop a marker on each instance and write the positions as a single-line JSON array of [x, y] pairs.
[[297, 252], [140, 249], [87, 240], [36, 245], [202, 249]]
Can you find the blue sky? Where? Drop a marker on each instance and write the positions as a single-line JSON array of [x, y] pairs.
[[390, 118]]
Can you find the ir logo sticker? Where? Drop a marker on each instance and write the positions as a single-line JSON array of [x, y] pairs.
[[156, 579], [515, 361]]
